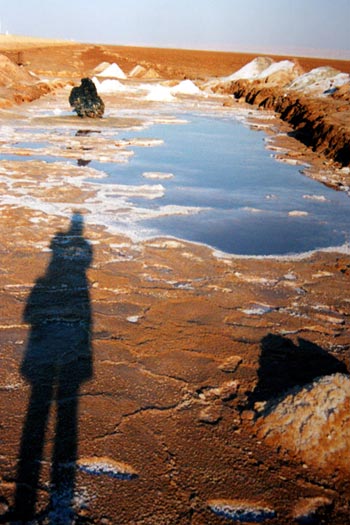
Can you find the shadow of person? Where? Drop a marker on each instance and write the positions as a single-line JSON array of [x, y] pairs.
[[284, 365], [57, 360]]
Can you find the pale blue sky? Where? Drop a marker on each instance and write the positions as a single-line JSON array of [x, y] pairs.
[[316, 27]]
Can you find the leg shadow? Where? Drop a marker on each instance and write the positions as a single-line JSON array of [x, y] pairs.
[[57, 360]]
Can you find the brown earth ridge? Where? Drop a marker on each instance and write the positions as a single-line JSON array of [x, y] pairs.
[[321, 124]]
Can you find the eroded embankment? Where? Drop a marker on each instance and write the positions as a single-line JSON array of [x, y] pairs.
[[19, 85], [23, 93], [322, 124]]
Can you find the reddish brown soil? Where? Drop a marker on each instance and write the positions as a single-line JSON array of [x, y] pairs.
[[173, 63]]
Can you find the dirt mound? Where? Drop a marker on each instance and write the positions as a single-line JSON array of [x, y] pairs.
[[313, 423], [143, 72], [11, 72]]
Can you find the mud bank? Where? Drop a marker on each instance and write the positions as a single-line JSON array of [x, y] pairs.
[[321, 124], [21, 94], [19, 85]]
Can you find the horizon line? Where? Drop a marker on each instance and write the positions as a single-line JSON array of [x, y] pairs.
[[338, 54]]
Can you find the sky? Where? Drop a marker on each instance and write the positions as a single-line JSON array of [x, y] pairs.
[[304, 27]]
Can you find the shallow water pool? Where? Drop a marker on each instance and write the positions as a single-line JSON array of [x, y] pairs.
[[245, 201], [204, 178]]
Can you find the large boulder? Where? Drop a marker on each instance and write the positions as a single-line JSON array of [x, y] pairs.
[[312, 423], [85, 100]]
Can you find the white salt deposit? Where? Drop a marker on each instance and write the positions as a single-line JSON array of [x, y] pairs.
[[251, 70], [283, 65], [319, 80], [145, 143], [249, 209], [108, 86], [133, 318], [317, 198], [186, 87], [106, 466], [297, 213], [154, 191], [113, 71], [158, 93], [157, 175], [257, 309], [241, 510]]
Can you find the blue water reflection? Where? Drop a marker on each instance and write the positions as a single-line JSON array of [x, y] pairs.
[[251, 203]]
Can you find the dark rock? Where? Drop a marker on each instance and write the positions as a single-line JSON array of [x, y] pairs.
[[86, 101]]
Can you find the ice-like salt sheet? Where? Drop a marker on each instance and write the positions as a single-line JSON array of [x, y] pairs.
[[216, 197], [298, 213], [146, 143], [154, 191], [157, 175], [252, 210], [317, 198], [107, 466], [166, 119]]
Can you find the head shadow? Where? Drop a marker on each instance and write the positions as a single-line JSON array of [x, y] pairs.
[[284, 365], [57, 360]]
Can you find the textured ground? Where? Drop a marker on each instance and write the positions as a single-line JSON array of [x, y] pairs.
[[157, 383]]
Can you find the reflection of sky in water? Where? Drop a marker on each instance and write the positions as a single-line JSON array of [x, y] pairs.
[[223, 168], [222, 165]]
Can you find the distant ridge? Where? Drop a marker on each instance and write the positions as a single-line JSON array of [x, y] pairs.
[[21, 41]]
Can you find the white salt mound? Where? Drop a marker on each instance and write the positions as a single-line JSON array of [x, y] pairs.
[[108, 85], [113, 71], [319, 80], [251, 70], [186, 87], [283, 65], [158, 93]]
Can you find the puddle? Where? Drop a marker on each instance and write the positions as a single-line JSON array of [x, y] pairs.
[[197, 177], [222, 170]]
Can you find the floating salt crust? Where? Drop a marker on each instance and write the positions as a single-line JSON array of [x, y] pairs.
[[157, 175]]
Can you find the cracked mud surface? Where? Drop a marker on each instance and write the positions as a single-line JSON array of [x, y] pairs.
[[173, 369]]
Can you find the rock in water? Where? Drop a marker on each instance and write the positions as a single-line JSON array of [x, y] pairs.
[[86, 101]]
